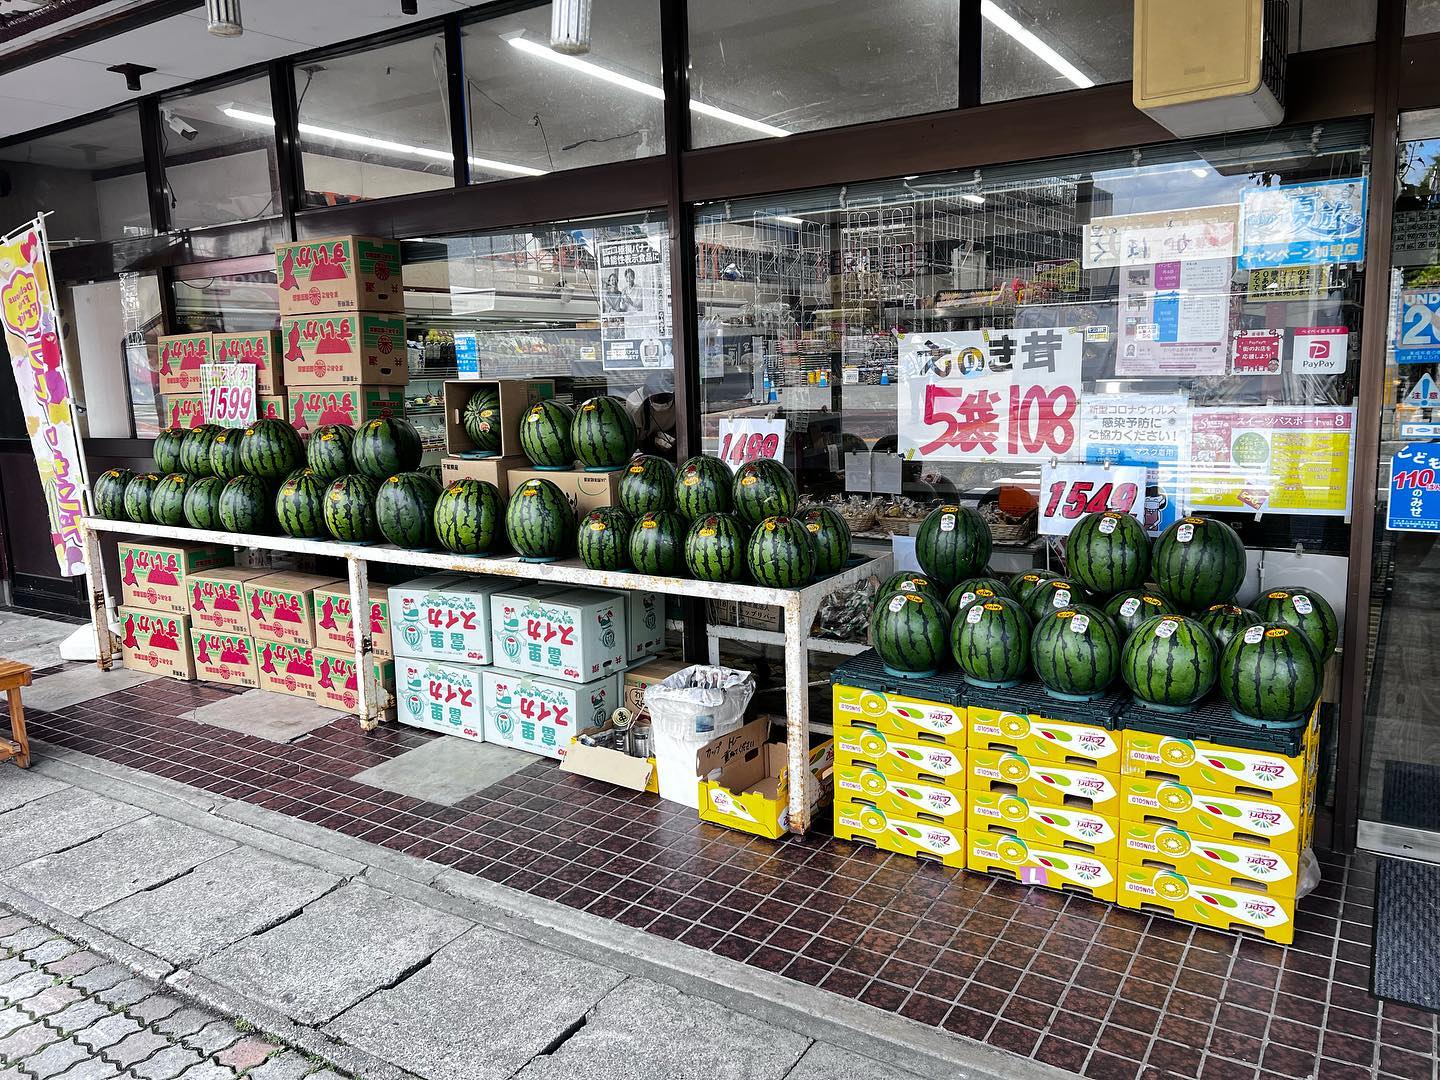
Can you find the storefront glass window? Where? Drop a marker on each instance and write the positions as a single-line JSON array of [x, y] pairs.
[[1422, 16], [533, 110], [219, 151]]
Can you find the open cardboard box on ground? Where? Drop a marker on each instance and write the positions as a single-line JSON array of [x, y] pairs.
[[613, 766], [750, 785]]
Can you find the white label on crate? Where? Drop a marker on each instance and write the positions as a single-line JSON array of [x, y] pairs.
[[1080, 623], [975, 614], [1254, 634], [1302, 604], [1108, 525], [1061, 598], [1167, 628], [896, 603], [1129, 607], [1185, 533], [947, 522]]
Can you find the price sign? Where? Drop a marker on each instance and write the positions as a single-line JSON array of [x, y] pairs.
[[743, 439], [227, 394], [1414, 504], [1069, 492]]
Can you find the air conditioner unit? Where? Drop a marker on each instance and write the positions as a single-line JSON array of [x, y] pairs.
[[1211, 67]]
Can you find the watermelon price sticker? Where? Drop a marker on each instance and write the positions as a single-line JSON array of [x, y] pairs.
[[1069, 492], [743, 440], [1414, 501], [227, 393]]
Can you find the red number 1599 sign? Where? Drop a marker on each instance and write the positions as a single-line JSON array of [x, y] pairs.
[[1069, 492]]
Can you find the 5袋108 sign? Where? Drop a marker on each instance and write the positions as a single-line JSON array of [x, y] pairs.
[[989, 394]]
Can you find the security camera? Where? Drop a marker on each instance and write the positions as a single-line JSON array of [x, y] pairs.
[[180, 126]]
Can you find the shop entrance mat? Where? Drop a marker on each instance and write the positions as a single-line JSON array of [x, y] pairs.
[[1411, 795], [1407, 933]]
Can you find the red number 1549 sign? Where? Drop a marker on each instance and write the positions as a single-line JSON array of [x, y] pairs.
[[1069, 492]]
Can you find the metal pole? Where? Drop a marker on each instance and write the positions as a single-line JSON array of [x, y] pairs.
[[371, 708], [797, 713]]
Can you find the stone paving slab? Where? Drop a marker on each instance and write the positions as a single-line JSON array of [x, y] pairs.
[[446, 770], [228, 898], [339, 949], [58, 821], [80, 683], [263, 716], [825, 1062], [20, 786], [484, 1006], [31, 640]]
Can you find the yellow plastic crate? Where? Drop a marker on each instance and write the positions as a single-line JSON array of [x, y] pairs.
[[1002, 772], [918, 839], [1225, 864], [900, 757], [867, 785], [1211, 815], [1048, 826], [1037, 737], [893, 714], [1207, 766], [1034, 864], [1147, 889]]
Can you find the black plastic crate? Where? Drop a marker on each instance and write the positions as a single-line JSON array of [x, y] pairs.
[[1213, 721], [867, 671], [1030, 698]]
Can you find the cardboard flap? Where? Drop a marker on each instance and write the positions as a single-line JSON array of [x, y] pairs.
[[609, 765], [738, 751]]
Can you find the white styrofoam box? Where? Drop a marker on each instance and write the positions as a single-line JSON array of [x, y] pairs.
[[440, 696], [577, 635], [444, 617], [541, 715], [645, 622]]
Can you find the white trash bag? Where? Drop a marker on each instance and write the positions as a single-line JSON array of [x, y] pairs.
[[687, 710]]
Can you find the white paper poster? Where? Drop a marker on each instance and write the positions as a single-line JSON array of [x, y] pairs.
[[1174, 318], [1198, 232], [1152, 430], [635, 298]]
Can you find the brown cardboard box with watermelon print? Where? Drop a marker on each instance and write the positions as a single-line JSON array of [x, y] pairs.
[[181, 356], [339, 273], [281, 606], [333, 621], [225, 658], [260, 349], [313, 407], [270, 408], [285, 668], [337, 685], [182, 411], [217, 599], [358, 348], [156, 642], [154, 573]]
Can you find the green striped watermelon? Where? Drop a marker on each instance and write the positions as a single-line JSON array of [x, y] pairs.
[[952, 544], [271, 449], [1132, 607], [1304, 609], [167, 502], [1169, 662], [1198, 562], [246, 505], [405, 509], [1271, 675], [1053, 594], [202, 503], [166, 450], [350, 509], [763, 488], [648, 483], [225, 454], [1108, 552], [300, 504], [831, 534], [545, 435], [1076, 652], [657, 543], [990, 640], [328, 452], [971, 589], [481, 420], [1027, 581], [138, 492], [781, 553], [195, 449], [1224, 621], [539, 521], [385, 446], [715, 548], [110, 493], [467, 517], [703, 486], [911, 632], [603, 538], [602, 435]]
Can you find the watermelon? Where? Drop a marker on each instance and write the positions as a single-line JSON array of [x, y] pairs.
[[952, 544], [166, 450], [1198, 562], [971, 589], [1224, 621], [300, 504], [225, 454], [831, 535], [481, 420], [602, 435], [910, 631], [991, 641], [1132, 607], [648, 483], [1271, 675], [763, 489], [467, 517], [202, 503], [657, 543], [703, 485], [545, 435], [603, 538], [539, 521], [138, 492], [109, 500], [195, 449], [781, 554], [1027, 581], [167, 502], [715, 548], [1169, 662], [1304, 609], [350, 509], [1076, 652], [271, 449], [1108, 552], [385, 446], [328, 452], [245, 505], [405, 510], [1052, 594]]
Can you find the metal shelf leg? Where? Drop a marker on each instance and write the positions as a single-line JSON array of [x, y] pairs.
[[372, 698], [797, 713]]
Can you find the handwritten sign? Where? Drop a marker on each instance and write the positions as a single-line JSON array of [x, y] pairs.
[[744, 439], [228, 393], [1200, 232], [1069, 492], [1414, 504]]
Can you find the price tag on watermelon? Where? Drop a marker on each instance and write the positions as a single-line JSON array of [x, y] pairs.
[[744, 439], [1069, 492], [227, 394]]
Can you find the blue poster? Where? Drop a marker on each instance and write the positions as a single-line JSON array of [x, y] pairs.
[[1303, 224], [1414, 504], [1417, 331]]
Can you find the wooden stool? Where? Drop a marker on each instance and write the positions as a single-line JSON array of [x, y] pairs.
[[14, 675]]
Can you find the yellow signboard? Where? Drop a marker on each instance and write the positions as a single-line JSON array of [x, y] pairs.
[[1286, 459]]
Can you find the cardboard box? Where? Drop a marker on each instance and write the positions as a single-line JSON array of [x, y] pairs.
[[310, 407], [1052, 866], [445, 617], [644, 622], [585, 491], [286, 668], [493, 470], [334, 624], [542, 715], [917, 839], [1210, 862], [573, 634], [224, 657], [1082, 745], [603, 763], [1047, 826], [344, 350], [339, 273], [440, 696], [1251, 774], [912, 800], [337, 682], [901, 758], [1150, 889], [270, 408], [745, 780], [181, 357], [1038, 781], [156, 642], [153, 572], [639, 677], [217, 599], [896, 714], [1213, 816], [751, 616], [516, 395], [282, 606], [258, 348], [182, 411]]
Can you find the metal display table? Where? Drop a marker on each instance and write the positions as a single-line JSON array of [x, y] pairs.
[[799, 607]]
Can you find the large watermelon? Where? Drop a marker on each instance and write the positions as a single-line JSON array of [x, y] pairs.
[[603, 538], [138, 491], [990, 640], [952, 544], [166, 450], [831, 535], [385, 446], [971, 589], [350, 509], [1053, 594], [715, 548], [1169, 662], [1027, 581], [110, 493], [1304, 609], [328, 452], [545, 435], [167, 502], [910, 631], [195, 449], [602, 435], [539, 521], [1108, 552], [300, 504], [1132, 607], [225, 454], [271, 449], [1076, 652], [481, 420], [781, 553], [202, 503], [763, 489], [405, 509], [1198, 562], [648, 483], [1271, 675], [467, 517], [703, 485], [657, 543], [1224, 621], [245, 505]]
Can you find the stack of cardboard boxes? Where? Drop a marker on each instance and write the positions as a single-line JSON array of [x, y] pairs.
[[155, 580], [182, 356]]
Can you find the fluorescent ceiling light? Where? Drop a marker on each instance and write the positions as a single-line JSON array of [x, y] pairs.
[[970, 196], [786, 219], [1003, 20]]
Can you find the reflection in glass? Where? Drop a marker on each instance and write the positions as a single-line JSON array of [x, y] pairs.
[[219, 152]]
